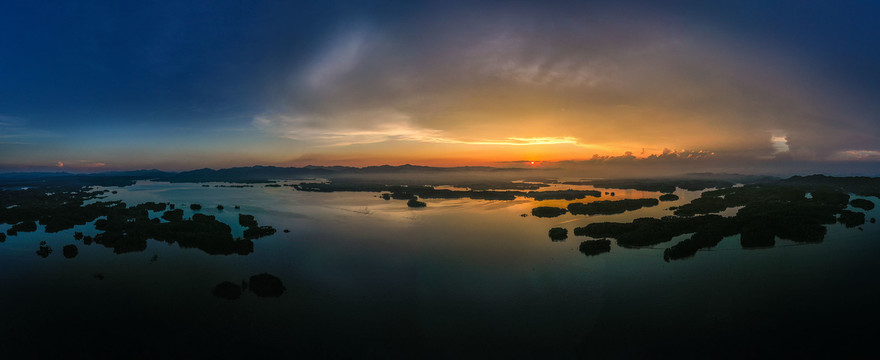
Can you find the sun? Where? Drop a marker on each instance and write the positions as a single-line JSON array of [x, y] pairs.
[[532, 163]]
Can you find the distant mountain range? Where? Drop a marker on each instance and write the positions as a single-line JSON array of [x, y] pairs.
[[250, 174], [423, 174]]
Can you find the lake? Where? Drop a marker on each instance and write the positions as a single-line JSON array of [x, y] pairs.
[[367, 277]]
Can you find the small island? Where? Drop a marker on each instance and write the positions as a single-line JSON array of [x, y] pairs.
[[668, 197], [69, 251], [797, 212], [863, 204], [608, 207], [595, 247], [123, 228], [44, 250], [548, 211], [558, 234], [413, 203]]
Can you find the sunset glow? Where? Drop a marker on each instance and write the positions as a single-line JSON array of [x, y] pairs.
[[487, 84]]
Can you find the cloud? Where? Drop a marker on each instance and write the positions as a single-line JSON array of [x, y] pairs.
[[510, 57], [338, 58], [610, 82], [872, 155], [779, 143], [382, 126], [85, 164]]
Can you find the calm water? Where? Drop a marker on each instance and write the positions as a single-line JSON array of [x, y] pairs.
[[367, 277]]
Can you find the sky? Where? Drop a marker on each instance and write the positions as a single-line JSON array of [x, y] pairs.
[[110, 85]]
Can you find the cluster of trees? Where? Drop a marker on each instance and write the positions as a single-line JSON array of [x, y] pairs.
[[558, 234], [595, 247], [124, 228], [253, 230], [607, 207], [797, 213]]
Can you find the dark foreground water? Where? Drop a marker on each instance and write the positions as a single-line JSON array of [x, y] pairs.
[[366, 277]]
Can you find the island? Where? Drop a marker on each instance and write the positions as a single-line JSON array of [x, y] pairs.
[[608, 207], [558, 234], [548, 211], [668, 197], [797, 211], [413, 203], [266, 285], [123, 228], [595, 247]]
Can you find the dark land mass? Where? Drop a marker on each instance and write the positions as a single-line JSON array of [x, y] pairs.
[[548, 211], [563, 194], [24, 226], [859, 185], [607, 207], [253, 230], [125, 229], [258, 232], [668, 197], [474, 178], [247, 220], [768, 211], [44, 250], [55, 207], [471, 178], [851, 219], [264, 174], [595, 247], [267, 174], [692, 182], [68, 181], [413, 203], [70, 251], [558, 234], [862, 204]]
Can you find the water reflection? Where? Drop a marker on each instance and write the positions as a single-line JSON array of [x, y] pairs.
[[227, 290], [436, 278], [261, 285]]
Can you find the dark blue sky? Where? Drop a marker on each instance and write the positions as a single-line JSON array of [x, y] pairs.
[[187, 84]]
